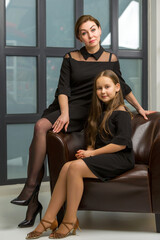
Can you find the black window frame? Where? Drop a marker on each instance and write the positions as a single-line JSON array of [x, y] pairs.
[[41, 52]]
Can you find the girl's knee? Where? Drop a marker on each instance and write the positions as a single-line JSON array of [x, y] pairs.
[[75, 167], [65, 167]]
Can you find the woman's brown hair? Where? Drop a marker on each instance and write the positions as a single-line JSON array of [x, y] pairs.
[[95, 124], [83, 19]]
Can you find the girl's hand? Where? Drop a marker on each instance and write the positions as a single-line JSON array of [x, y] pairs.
[[62, 121], [144, 113], [84, 153]]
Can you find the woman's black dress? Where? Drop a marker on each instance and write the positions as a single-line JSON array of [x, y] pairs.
[[76, 81], [109, 165]]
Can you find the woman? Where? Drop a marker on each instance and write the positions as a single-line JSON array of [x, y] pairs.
[[108, 155], [69, 110]]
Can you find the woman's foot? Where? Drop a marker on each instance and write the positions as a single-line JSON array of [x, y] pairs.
[[34, 208], [65, 229], [43, 226], [26, 195]]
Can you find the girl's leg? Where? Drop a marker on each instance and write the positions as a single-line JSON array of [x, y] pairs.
[[58, 198], [76, 172], [36, 158]]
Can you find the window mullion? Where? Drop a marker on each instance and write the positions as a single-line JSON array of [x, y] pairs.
[[3, 150], [114, 25]]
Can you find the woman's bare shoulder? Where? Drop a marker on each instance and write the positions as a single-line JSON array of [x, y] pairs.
[[72, 54]]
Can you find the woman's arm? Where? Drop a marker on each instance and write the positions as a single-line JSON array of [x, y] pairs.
[[63, 93], [110, 148], [133, 101], [63, 119], [127, 91]]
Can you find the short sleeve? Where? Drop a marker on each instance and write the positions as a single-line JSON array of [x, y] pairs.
[[125, 88], [64, 79], [122, 122]]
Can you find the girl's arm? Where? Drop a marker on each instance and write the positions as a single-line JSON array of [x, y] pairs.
[[133, 101], [110, 148], [63, 119], [90, 148]]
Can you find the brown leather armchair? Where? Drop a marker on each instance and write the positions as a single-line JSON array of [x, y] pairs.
[[137, 190]]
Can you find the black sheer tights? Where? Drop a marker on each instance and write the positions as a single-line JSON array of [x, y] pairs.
[[37, 155], [32, 207], [33, 204]]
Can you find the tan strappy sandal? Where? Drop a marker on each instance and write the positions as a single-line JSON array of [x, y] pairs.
[[71, 230], [35, 234]]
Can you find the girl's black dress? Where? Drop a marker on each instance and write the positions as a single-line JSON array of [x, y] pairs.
[[109, 165], [76, 81]]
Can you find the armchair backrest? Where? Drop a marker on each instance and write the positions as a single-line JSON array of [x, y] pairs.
[[144, 134]]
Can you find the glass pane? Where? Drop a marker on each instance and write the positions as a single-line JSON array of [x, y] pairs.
[[132, 74], [53, 72], [60, 23], [21, 76], [101, 11], [19, 138], [20, 22], [130, 24]]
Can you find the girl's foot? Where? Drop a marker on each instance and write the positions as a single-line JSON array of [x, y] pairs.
[[65, 229], [42, 227]]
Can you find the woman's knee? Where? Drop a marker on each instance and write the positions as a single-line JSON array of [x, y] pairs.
[[42, 126]]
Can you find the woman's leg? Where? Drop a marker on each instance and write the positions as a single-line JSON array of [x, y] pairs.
[[76, 172], [36, 158], [33, 206]]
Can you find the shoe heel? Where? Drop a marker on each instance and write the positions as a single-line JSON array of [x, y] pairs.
[[74, 231], [40, 214]]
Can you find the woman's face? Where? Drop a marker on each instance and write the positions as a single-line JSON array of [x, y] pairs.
[[106, 89], [89, 34]]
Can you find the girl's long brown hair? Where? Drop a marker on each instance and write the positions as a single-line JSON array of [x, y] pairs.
[[94, 125]]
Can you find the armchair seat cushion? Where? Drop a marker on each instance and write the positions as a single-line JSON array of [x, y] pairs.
[[128, 192]]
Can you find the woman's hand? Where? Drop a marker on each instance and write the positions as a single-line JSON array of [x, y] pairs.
[[62, 121], [84, 153], [133, 101], [144, 113]]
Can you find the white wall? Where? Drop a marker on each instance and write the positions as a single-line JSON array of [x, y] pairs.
[[154, 54]]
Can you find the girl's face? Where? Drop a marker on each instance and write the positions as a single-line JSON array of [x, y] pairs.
[[89, 34], [106, 89]]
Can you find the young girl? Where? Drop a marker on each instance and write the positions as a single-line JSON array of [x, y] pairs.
[[108, 155]]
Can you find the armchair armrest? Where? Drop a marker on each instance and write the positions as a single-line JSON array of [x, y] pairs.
[[60, 149]]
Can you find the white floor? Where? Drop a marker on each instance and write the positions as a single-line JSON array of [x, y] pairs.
[[94, 225]]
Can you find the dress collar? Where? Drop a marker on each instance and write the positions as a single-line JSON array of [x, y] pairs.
[[96, 55]]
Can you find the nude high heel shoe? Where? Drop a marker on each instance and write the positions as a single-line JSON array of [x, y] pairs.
[[35, 234], [71, 230]]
